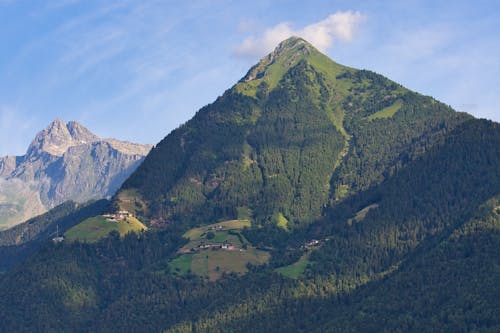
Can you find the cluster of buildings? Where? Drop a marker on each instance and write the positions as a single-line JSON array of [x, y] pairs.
[[205, 246], [312, 242], [216, 227], [120, 215]]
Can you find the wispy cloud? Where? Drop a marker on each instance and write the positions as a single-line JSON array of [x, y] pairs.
[[340, 26]]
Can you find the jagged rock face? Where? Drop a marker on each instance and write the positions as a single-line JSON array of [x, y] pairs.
[[7, 165], [64, 162], [58, 137]]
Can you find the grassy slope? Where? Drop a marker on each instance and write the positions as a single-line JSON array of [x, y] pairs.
[[95, 228], [387, 112], [281, 221], [295, 270], [231, 261], [196, 233], [213, 263], [278, 68]]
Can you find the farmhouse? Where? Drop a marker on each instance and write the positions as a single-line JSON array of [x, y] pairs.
[[58, 239], [121, 215], [312, 242], [216, 227]]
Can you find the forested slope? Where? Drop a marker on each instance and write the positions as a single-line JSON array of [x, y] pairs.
[[425, 259], [298, 134]]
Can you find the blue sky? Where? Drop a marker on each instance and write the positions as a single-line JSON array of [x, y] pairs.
[[135, 70]]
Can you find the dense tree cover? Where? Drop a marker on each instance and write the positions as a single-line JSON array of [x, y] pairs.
[[425, 260], [22, 240], [379, 147], [290, 151], [449, 287], [273, 154]]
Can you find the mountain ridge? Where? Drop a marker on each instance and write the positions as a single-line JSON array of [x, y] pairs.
[[65, 161]]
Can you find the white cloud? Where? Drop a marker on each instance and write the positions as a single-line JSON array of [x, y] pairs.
[[252, 46], [340, 26]]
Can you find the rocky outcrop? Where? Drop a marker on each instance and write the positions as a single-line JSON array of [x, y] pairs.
[[64, 162]]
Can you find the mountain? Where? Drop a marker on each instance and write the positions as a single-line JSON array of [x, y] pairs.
[[297, 134], [350, 203], [64, 162]]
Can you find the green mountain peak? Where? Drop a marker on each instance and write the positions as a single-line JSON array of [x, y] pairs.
[[271, 68], [286, 54], [286, 142]]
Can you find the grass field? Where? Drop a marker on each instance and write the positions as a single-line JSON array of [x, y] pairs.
[[244, 213], [197, 233], [181, 265], [360, 216], [387, 112], [281, 221], [220, 261], [95, 228], [295, 270], [214, 262]]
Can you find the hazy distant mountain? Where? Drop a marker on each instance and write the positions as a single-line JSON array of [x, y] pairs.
[[64, 162]]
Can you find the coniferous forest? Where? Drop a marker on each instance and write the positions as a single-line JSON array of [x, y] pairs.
[[387, 200]]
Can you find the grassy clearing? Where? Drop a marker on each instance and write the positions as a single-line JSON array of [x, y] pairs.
[[182, 264], [360, 216], [281, 221], [95, 228], [244, 213], [387, 112], [197, 233], [213, 263], [199, 263], [362, 213], [295, 270], [223, 236]]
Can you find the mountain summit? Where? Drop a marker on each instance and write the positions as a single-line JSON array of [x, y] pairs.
[[59, 136], [286, 54], [65, 161]]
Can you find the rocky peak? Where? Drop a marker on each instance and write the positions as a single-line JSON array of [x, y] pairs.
[[81, 134], [292, 46], [64, 162], [59, 136]]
